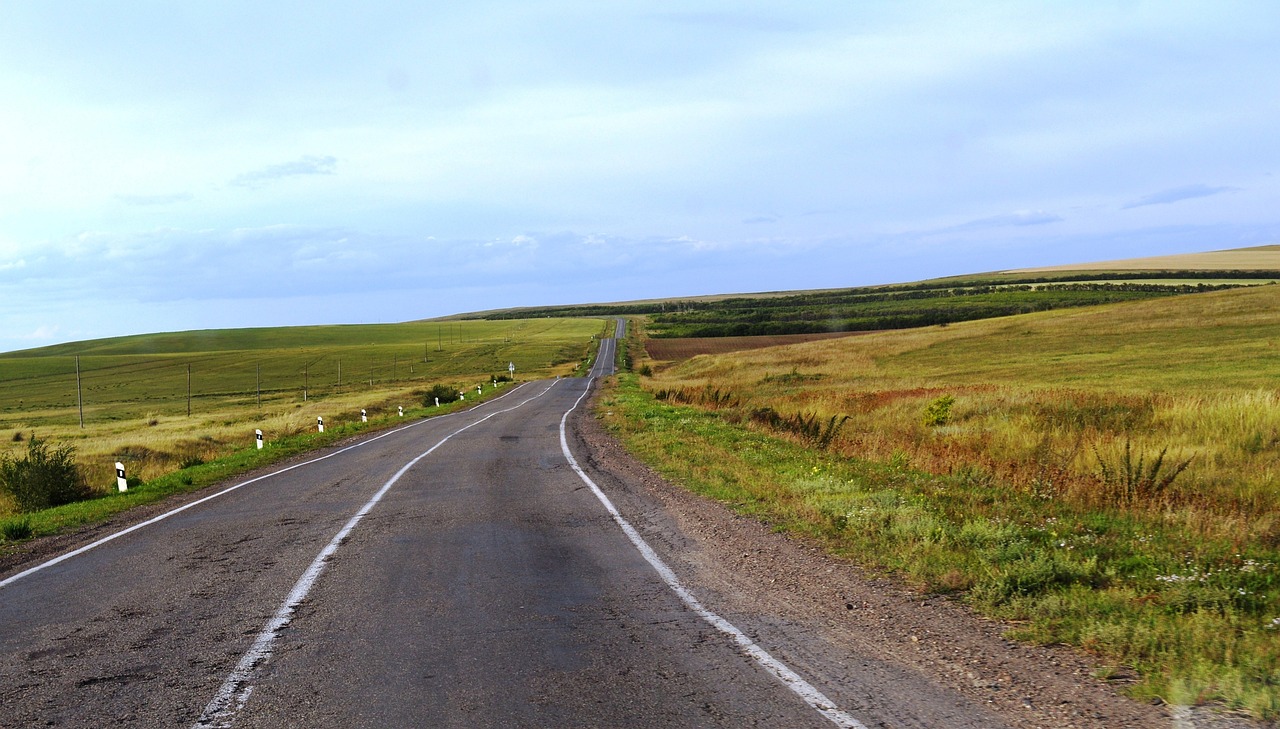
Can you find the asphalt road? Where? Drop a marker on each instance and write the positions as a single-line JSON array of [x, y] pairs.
[[458, 572]]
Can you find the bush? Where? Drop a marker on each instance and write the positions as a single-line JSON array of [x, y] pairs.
[[44, 477], [938, 412], [16, 529], [442, 392]]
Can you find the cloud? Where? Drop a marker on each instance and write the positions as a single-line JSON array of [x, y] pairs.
[[1178, 194], [149, 200], [307, 165], [1020, 218], [757, 220], [42, 333], [731, 21]]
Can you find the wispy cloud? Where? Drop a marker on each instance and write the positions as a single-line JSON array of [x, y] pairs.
[[731, 21], [149, 200], [307, 165], [1020, 218], [1178, 194], [42, 333]]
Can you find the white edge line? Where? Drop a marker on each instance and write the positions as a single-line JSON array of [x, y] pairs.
[[92, 545], [811, 695], [235, 690]]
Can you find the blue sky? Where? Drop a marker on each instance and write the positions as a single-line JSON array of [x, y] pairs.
[[172, 166]]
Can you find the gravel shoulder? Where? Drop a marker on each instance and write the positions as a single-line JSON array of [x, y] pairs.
[[832, 619]]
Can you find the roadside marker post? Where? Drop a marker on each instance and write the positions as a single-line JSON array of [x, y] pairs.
[[364, 417], [121, 482], [478, 390], [437, 402], [402, 411], [258, 435], [320, 423]]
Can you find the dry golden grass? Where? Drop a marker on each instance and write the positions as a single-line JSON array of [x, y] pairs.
[[1260, 258], [1043, 400]]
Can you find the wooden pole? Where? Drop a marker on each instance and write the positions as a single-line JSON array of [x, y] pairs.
[[188, 390], [79, 395]]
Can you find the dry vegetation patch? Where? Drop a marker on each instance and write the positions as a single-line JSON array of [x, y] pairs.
[[1105, 477], [676, 350]]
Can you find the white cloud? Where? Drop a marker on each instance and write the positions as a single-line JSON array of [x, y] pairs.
[[306, 165], [149, 200], [1178, 194]]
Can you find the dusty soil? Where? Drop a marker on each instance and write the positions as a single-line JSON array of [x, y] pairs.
[[747, 569]]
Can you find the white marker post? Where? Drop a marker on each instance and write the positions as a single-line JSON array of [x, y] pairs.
[[121, 482], [364, 417], [511, 367], [320, 423], [437, 402], [462, 395], [258, 434], [402, 411], [478, 390]]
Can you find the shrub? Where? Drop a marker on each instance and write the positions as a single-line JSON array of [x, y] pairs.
[[808, 426], [44, 477], [442, 392], [938, 412], [1130, 482], [16, 529]]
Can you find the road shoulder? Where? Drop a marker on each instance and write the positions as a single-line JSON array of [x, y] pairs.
[[827, 613]]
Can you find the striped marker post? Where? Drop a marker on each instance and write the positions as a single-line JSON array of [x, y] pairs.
[[364, 417], [258, 434], [320, 423], [122, 483]]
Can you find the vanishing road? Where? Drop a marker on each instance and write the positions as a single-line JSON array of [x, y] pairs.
[[461, 571]]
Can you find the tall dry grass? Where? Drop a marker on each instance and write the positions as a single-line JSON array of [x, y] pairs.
[[1050, 403]]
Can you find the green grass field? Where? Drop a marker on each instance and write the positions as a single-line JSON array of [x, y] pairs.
[[1029, 465], [135, 389]]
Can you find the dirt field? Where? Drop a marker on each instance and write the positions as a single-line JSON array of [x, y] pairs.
[[674, 350]]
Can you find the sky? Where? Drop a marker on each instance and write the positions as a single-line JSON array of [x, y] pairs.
[[174, 166]]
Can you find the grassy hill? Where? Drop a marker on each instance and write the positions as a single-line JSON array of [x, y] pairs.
[[136, 391], [1100, 476], [939, 301]]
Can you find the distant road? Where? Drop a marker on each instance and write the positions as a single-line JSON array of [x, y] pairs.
[[458, 572]]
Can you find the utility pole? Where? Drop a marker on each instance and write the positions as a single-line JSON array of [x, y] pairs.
[[257, 379], [79, 396]]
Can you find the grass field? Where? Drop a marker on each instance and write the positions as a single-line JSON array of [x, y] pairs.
[[1031, 465], [135, 389]]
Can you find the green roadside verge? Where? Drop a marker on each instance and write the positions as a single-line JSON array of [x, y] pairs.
[[68, 517], [1197, 619]]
